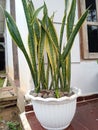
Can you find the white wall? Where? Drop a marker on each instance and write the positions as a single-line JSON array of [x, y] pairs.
[[85, 76], [8, 48]]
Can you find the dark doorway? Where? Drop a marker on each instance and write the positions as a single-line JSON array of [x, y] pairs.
[[2, 54]]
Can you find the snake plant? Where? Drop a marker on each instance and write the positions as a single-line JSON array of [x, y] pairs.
[[48, 57]]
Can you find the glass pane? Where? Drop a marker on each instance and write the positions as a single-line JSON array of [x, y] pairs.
[[92, 38], [92, 16]]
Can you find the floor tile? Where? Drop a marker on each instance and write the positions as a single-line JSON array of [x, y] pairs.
[[86, 117]]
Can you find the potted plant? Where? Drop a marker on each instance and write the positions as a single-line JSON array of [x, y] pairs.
[[49, 60]]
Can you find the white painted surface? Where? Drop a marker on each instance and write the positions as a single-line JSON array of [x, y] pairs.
[[8, 48], [84, 73], [55, 113], [24, 121], [85, 76]]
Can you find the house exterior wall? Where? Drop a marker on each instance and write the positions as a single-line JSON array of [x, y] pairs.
[[84, 73], [8, 48]]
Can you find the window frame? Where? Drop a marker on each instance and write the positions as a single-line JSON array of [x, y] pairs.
[[85, 54]]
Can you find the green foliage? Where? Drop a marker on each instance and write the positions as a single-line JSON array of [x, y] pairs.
[[1, 82], [13, 125], [44, 43]]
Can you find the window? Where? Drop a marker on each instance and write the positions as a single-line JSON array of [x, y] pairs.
[[89, 31]]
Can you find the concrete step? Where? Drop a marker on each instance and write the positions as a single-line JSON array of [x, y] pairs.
[[8, 97]]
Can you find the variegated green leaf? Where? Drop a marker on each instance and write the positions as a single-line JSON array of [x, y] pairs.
[[73, 34], [13, 30], [53, 32], [41, 46], [71, 18], [63, 24], [36, 14], [17, 38]]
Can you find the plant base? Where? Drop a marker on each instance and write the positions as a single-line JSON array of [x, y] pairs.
[[55, 113]]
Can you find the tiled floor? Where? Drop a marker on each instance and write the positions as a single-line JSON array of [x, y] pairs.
[[86, 117]]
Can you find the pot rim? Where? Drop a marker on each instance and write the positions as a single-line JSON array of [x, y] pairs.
[[77, 93]]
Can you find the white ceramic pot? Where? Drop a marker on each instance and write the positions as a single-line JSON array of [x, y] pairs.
[[55, 114]]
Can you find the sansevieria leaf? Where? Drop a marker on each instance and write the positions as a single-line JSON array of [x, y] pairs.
[[13, 30], [71, 18], [53, 32], [17, 38], [73, 34], [48, 57]]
